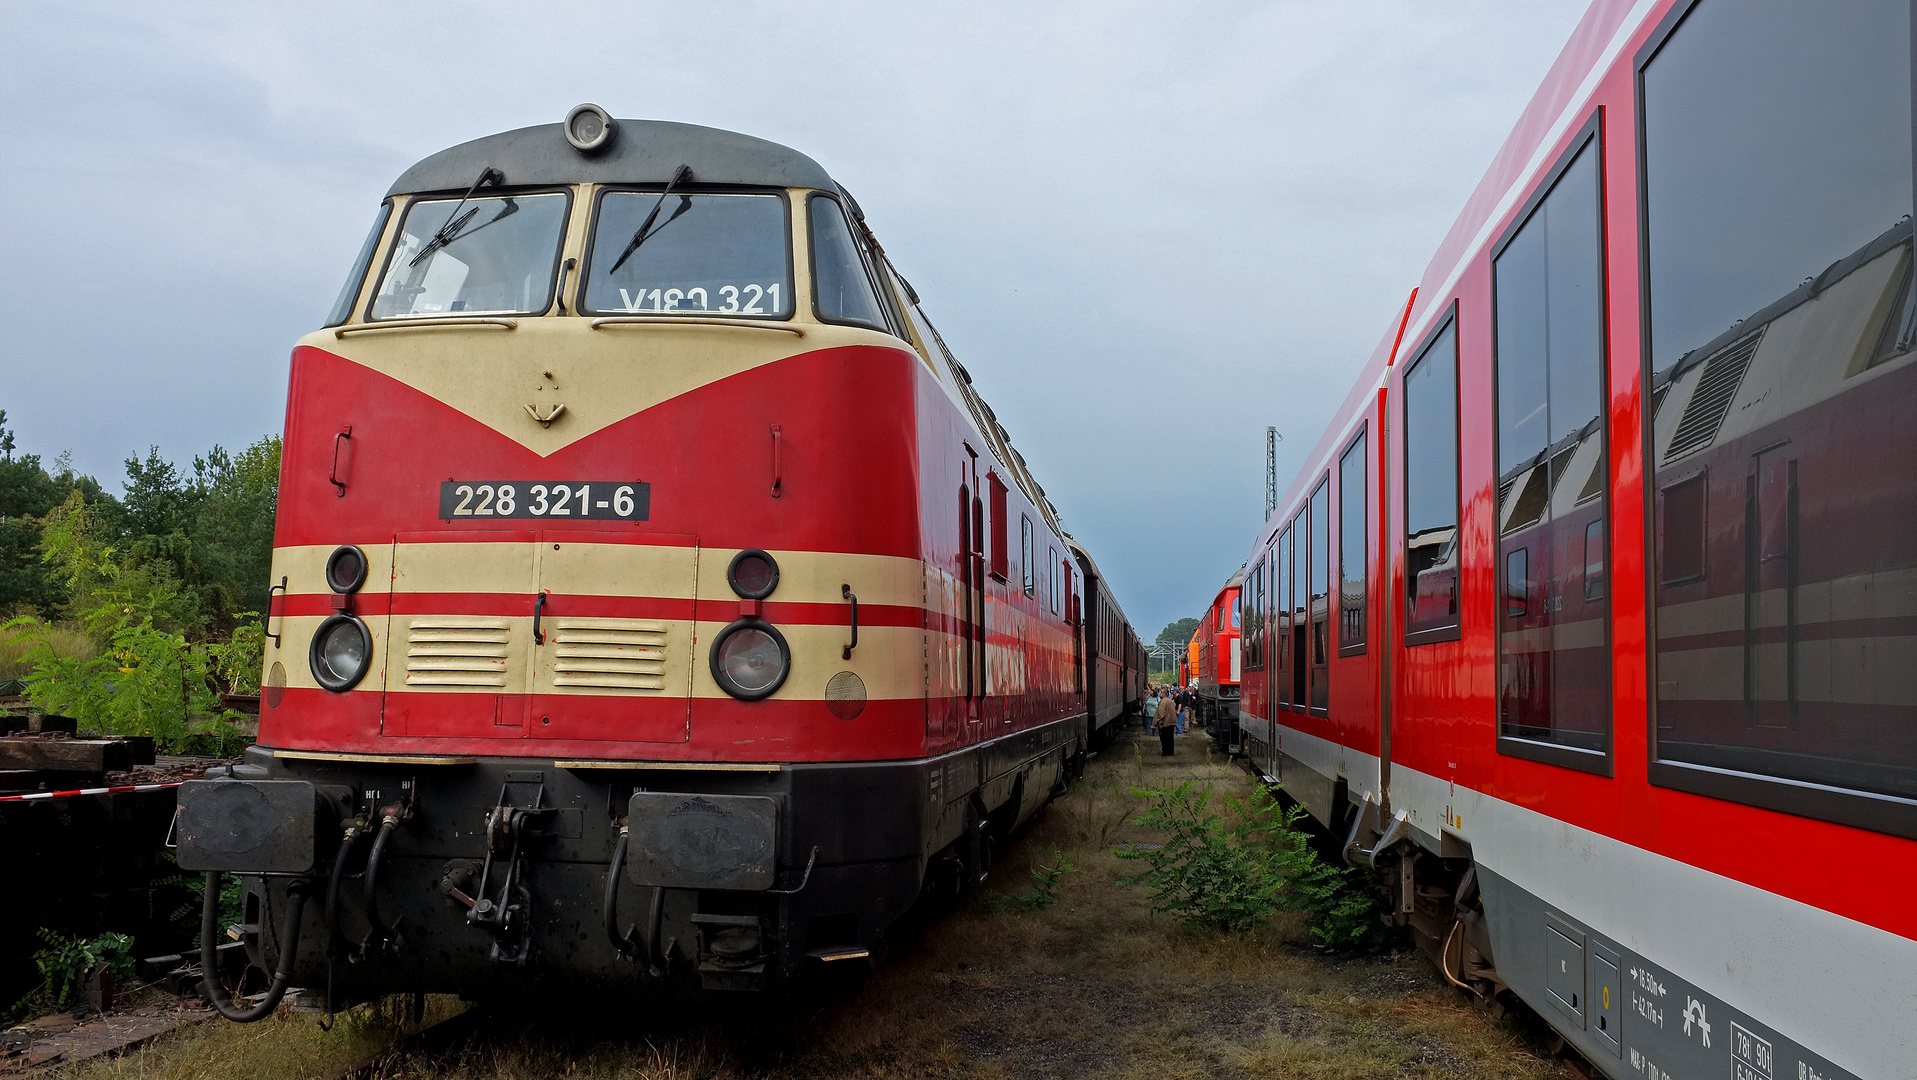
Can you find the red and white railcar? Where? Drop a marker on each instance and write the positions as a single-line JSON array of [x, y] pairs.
[[1592, 619], [656, 604]]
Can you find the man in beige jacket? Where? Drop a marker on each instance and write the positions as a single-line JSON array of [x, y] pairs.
[[1166, 721]]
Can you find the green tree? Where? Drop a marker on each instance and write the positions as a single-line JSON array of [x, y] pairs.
[[28, 493], [1177, 633]]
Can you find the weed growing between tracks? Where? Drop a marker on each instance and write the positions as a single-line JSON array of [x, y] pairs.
[[999, 986]]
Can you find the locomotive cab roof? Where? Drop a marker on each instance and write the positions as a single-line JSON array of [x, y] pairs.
[[640, 152]]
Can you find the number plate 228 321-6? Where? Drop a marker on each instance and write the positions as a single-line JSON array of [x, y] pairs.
[[600, 500]]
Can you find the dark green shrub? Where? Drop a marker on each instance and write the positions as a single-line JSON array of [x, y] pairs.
[[1233, 872]]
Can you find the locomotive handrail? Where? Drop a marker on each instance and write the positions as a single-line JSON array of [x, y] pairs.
[[854, 598], [409, 324], [694, 320]]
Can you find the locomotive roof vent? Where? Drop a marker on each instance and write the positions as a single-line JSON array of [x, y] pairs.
[[589, 128]]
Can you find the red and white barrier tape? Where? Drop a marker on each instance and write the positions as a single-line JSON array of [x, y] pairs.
[[90, 791]]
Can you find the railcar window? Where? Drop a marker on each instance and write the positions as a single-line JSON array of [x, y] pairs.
[[1320, 601], [348, 293], [725, 256], [841, 292], [497, 257], [1281, 607], [1777, 185], [1431, 491], [1354, 518], [1554, 672]]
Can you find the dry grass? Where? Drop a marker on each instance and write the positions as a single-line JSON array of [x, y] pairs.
[[66, 642], [1093, 986]]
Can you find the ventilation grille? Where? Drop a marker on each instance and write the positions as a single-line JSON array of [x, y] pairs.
[[609, 654], [457, 652], [1716, 389]]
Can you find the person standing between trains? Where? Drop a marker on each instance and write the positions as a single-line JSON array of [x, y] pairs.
[[1165, 719], [1151, 708]]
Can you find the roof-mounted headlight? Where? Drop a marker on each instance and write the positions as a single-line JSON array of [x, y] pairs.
[[589, 129]]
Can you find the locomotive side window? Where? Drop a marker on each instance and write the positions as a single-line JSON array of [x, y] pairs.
[[349, 293], [1001, 558], [1431, 490], [1354, 519], [1027, 567], [841, 292], [1554, 684], [725, 256], [490, 256], [1776, 157], [1320, 599]]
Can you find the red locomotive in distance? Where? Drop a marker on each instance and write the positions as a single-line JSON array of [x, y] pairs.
[[656, 604], [1591, 620], [1218, 663]]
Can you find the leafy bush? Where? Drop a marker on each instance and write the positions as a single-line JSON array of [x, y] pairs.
[[186, 916], [1236, 873], [66, 961]]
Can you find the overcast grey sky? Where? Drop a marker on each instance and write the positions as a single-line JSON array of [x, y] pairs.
[[1149, 230]]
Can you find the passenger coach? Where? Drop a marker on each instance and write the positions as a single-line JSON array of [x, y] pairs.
[[1589, 621], [656, 604]]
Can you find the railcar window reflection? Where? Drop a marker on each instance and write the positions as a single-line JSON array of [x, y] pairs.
[[1431, 490], [496, 256], [1777, 181], [1320, 599], [841, 292], [720, 255], [1354, 517], [1554, 667], [1281, 607]]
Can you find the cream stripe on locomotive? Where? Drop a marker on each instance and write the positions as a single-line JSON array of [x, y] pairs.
[[588, 569]]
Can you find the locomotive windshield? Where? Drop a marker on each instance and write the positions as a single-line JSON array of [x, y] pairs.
[[719, 255], [492, 256]]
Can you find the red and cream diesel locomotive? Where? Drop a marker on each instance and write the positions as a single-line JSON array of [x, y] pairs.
[[1591, 622], [655, 602], [1218, 666]]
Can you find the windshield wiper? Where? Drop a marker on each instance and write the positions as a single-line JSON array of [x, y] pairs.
[[641, 236], [456, 221]]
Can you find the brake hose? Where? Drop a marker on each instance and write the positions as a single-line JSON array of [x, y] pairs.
[[210, 953], [624, 943], [332, 887], [381, 934]]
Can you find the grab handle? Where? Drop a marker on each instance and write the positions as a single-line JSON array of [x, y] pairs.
[[345, 435], [846, 590], [539, 608], [279, 588]]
